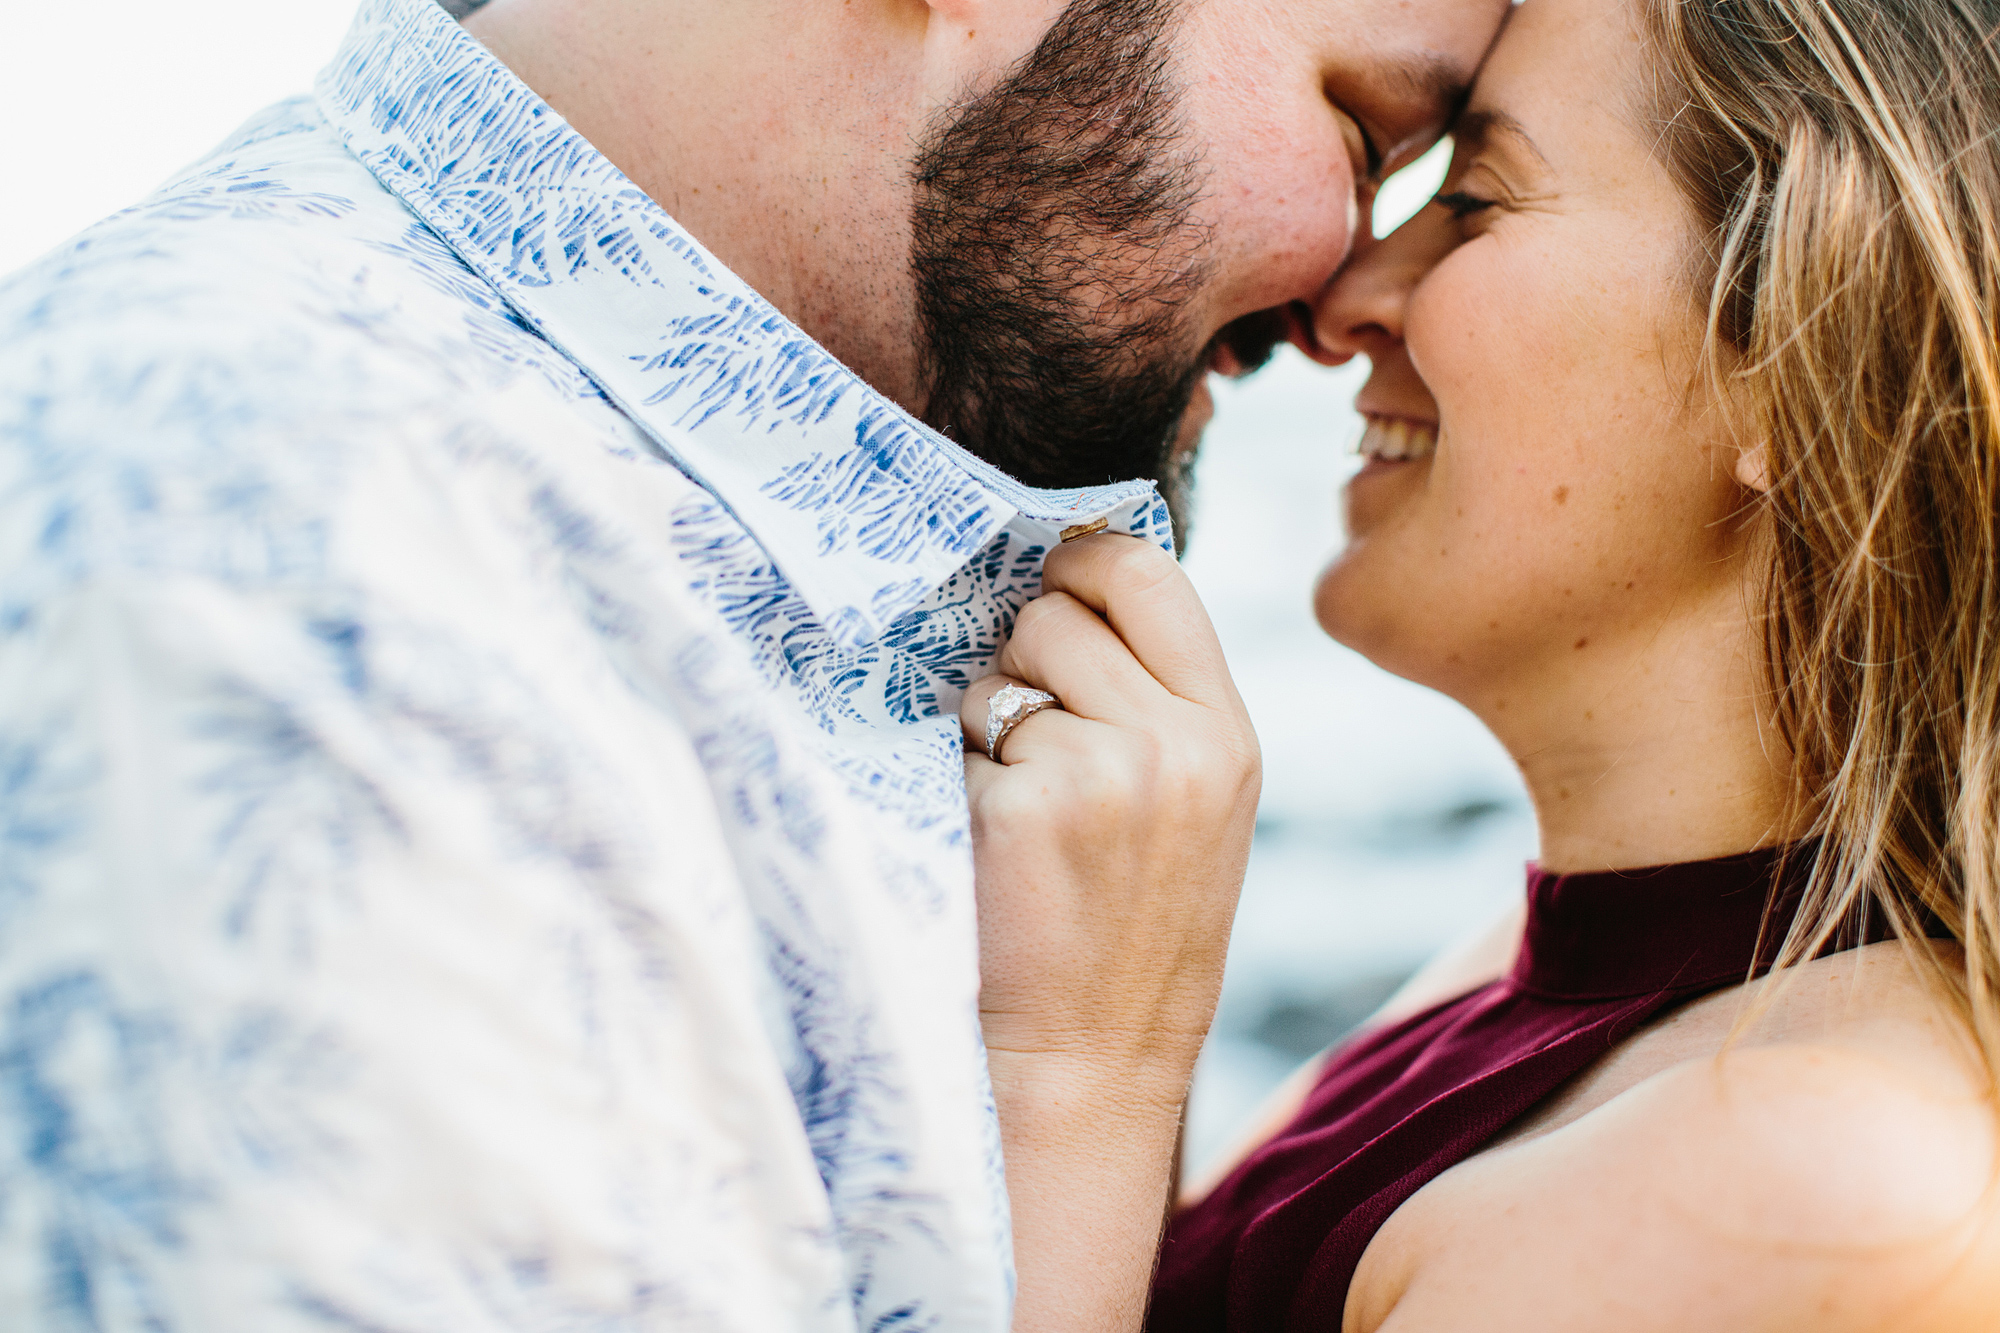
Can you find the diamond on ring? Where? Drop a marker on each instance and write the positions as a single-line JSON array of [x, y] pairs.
[[1010, 706]]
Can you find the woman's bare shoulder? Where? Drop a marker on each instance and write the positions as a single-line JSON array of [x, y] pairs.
[[1797, 1147], [1842, 1180]]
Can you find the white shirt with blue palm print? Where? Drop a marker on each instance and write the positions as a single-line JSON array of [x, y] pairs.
[[482, 841]]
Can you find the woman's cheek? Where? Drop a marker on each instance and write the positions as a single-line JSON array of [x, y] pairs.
[[1497, 329]]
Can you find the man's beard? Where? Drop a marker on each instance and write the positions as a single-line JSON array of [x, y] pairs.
[[1056, 254]]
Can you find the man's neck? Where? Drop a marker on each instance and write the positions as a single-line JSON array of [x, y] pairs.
[[777, 132]]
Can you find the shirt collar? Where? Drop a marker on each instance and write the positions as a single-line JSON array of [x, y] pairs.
[[863, 508]]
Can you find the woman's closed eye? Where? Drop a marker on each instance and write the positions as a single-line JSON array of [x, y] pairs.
[[1462, 205]]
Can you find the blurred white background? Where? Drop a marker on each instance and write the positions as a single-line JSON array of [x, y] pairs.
[[103, 99], [1390, 823]]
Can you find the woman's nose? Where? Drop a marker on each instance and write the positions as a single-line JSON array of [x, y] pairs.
[[1361, 312]]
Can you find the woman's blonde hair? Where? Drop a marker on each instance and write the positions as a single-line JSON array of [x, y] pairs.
[[1841, 158]]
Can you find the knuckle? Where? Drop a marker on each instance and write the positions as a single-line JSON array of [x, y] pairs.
[[1152, 752], [1212, 766], [1138, 567], [1242, 756], [1033, 618], [1005, 805], [1112, 781]]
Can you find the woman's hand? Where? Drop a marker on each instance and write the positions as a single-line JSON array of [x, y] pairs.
[[1111, 844], [1110, 849]]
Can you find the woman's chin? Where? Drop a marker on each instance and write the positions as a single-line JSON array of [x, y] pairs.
[[1363, 605], [1351, 607], [1363, 598]]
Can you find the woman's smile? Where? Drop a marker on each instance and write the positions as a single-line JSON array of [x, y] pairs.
[[1396, 440], [1396, 454]]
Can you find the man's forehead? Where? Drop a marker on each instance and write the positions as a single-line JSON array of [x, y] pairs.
[[1433, 78], [1425, 53]]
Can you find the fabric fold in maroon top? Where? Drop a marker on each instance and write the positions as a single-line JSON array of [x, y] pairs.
[[1275, 1245]]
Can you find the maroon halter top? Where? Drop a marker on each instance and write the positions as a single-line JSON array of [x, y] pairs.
[[1275, 1246]]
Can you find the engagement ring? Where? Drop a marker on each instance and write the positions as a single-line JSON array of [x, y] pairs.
[[1010, 706]]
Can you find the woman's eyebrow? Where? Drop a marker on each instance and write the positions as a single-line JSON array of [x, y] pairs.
[[1485, 126]]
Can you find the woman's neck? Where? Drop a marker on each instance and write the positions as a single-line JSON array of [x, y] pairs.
[[1650, 750]]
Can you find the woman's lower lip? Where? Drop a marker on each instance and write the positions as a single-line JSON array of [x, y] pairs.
[[1377, 466]]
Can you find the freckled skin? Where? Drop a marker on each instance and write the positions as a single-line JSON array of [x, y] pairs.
[[1551, 337]]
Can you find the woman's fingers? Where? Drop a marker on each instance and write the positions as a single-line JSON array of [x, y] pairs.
[[1060, 645], [1147, 601], [1120, 637]]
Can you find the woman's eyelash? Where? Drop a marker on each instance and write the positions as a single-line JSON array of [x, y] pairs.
[[1461, 204]]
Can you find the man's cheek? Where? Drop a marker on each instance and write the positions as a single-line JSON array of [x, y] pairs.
[[1280, 240]]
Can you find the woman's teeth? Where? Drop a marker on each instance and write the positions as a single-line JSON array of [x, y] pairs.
[[1394, 439]]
